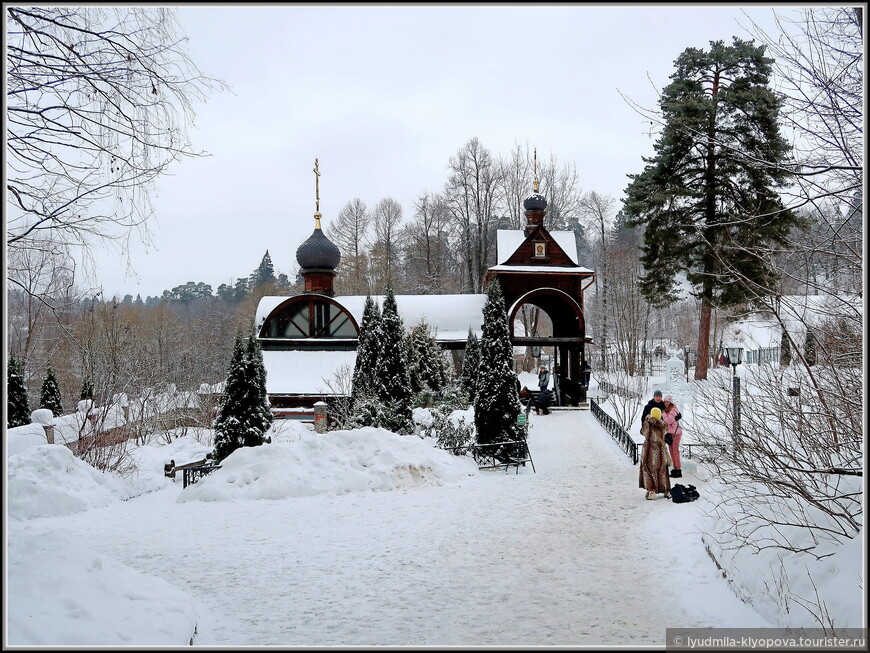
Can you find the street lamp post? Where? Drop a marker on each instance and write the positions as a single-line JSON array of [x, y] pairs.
[[735, 355]]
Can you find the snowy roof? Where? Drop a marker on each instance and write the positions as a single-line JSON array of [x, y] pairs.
[[509, 240], [449, 316], [538, 268], [305, 372]]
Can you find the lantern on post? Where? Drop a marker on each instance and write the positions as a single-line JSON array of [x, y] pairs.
[[735, 357]]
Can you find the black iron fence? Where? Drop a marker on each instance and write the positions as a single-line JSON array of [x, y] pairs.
[[612, 388], [193, 474], [619, 434]]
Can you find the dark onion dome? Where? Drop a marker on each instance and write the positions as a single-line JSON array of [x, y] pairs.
[[318, 252], [535, 202]]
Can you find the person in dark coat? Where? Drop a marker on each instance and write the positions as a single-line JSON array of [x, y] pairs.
[[653, 473], [525, 396], [545, 398], [655, 402], [543, 378]]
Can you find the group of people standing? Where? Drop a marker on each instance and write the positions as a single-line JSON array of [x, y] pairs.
[[545, 397], [660, 426]]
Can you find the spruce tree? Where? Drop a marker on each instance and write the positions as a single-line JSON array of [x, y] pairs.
[[810, 347], [17, 408], [241, 421], [393, 383], [709, 197], [261, 417], [784, 349], [470, 366], [425, 361], [264, 273], [49, 395], [365, 367], [497, 404]]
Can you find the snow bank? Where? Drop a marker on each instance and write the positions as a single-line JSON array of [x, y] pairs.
[[48, 481], [66, 595], [788, 587], [332, 463], [149, 460], [24, 437]]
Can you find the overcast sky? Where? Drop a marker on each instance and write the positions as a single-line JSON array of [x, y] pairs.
[[383, 96]]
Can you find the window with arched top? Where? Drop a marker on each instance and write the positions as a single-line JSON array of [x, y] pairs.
[[309, 317]]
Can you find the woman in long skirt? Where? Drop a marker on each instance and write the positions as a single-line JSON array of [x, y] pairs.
[[654, 460]]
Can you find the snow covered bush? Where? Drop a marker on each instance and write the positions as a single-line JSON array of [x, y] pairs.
[[451, 433]]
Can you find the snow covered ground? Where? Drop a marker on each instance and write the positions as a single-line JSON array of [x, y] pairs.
[[362, 538]]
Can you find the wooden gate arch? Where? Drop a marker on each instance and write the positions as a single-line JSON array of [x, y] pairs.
[[568, 339]]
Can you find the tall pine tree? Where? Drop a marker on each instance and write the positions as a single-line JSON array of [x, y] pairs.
[[497, 404], [393, 382], [242, 421], [264, 273], [17, 407], [708, 198], [49, 395], [471, 366]]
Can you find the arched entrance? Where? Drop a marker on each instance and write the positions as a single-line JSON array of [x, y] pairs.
[[567, 339]]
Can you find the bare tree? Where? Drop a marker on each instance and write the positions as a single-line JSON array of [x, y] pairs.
[[42, 290], [791, 465], [516, 174], [472, 193], [428, 258], [819, 59], [350, 233], [560, 184], [386, 219], [597, 211], [98, 102]]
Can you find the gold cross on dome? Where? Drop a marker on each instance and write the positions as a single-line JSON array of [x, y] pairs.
[[535, 184], [317, 185]]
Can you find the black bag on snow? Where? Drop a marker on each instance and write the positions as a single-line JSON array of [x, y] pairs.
[[682, 494]]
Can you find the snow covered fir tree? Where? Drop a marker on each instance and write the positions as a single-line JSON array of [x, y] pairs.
[[17, 409], [471, 366], [49, 394], [244, 414], [391, 374], [496, 405]]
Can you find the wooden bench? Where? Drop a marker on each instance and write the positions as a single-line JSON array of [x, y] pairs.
[[170, 468]]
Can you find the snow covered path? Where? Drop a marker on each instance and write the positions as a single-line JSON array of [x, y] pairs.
[[571, 555]]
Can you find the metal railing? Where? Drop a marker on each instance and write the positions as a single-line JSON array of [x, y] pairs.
[[612, 388], [193, 474], [619, 434]]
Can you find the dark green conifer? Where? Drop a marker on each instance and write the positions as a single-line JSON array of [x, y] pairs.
[[243, 419], [393, 383], [497, 404], [17, 407], [471, 366], [709, 197], [810, 347], [49, 396]]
